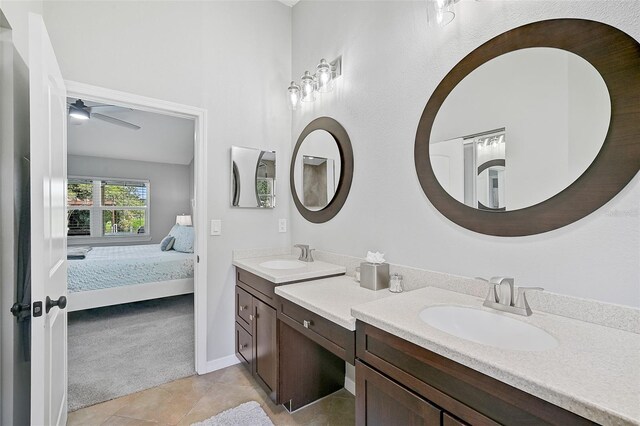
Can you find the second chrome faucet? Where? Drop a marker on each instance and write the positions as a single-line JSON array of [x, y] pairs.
[[502, 296], [305, 253]]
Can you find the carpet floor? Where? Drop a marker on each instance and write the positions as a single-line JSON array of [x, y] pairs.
[[119, 350]]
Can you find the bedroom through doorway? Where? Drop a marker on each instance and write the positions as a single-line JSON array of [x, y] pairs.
[[132, 243]]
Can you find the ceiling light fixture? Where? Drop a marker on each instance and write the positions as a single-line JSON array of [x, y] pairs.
[[79, 110]]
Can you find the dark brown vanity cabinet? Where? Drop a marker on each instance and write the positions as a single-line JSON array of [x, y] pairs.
[[256, 329], [294, 363], [398, 382]]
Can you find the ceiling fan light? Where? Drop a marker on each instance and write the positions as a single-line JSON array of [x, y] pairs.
[[78, 110], [79, 114]]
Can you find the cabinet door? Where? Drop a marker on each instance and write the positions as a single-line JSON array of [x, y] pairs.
[[381, 401], [265, 345]]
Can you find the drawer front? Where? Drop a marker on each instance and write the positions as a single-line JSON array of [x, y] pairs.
[[381, 401], [328, 334], [244, 346], [262, 286], [244, 307], [469, 395]]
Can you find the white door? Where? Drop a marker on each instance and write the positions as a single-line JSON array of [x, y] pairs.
[[48, 118], [447, 162]]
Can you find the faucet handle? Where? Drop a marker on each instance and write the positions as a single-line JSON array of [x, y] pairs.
[[521, 301]]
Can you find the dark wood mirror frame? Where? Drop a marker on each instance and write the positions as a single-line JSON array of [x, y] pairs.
[[616, 56], [346, 170]]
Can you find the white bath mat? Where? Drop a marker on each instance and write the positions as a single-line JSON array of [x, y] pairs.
[[247, 414]]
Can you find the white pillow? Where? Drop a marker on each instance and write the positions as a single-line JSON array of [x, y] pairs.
[[184, 236]]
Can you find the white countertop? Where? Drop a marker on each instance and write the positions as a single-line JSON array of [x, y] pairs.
[[306, 271], [331, 298], [593, 372]]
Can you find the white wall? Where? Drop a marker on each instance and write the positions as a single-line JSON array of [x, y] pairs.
[[392, 62], [232, 58], [169, 192]]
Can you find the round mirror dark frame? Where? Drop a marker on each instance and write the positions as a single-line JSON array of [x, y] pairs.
[[616, 56], [341, 137]]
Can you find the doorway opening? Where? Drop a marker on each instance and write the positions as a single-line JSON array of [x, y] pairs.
[[136, 223]]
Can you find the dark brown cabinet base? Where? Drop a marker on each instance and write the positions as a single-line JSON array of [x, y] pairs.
[[292, 368], [397, 380]]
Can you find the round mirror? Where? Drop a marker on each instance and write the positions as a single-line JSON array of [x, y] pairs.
[[533, 130], [321, 170], [543, 113], [317, 170]]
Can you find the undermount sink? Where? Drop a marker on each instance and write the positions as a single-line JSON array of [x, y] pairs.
[[282, 264], [488, 328]]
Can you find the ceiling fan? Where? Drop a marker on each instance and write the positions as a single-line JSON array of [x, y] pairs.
[[81, 111]]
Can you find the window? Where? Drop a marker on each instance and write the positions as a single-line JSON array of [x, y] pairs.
[[107, 208], [264, 188]]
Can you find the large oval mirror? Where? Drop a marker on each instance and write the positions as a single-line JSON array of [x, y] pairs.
[[519, 129], [321, 170], [317, 170], [533, 130]]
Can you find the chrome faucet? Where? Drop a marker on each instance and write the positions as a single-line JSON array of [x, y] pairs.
[[305, 252], [503, 298]]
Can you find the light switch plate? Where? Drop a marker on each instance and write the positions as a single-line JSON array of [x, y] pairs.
[[216, 227], [282, 225]]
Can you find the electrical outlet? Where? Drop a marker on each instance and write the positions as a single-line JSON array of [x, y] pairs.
[[216, 227], [282, 225]]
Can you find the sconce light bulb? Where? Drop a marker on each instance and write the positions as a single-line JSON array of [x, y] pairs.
[[307, 85], [325, 81], [294, 95]]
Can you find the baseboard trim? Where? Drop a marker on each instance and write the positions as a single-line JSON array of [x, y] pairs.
[[350, 385], [220, 363]]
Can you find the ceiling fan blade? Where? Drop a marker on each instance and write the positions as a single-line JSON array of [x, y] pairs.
[[105, 108], [115, 121]]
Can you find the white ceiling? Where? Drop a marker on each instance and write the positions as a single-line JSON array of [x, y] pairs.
[[161, 139]]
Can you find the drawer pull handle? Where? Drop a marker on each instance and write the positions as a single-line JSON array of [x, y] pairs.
[[306, 323], [242, 308], [244, 346], [250, 317]]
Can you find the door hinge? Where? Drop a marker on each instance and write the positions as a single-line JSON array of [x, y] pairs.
[[37, 309], [197, 259]]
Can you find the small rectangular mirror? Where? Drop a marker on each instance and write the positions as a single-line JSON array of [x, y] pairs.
[[253, 178]]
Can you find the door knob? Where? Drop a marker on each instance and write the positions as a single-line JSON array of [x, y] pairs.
[[61, 303]]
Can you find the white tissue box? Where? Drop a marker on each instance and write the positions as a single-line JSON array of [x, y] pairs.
[[374, 276]]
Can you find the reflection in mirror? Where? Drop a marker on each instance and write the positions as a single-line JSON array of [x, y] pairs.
[[317, 170], [552, 106], [253, 178]]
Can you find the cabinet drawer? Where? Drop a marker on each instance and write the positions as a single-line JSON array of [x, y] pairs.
[[262, 286], [244, 346], [244, 307], [329, 335], [383, 402]]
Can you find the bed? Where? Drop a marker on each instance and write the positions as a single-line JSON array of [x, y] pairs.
[[121, 274]]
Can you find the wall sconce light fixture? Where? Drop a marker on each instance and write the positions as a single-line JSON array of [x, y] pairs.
[[310, 84], [440, 12]]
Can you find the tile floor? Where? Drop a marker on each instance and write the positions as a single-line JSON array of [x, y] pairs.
[[197, 398]]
